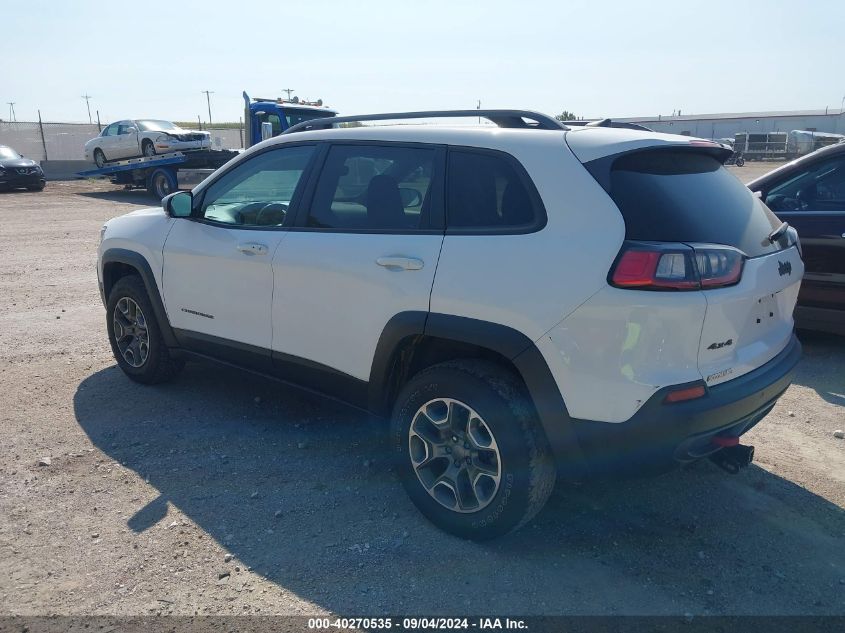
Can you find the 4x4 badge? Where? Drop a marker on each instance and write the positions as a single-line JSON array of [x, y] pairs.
[[730, 341], [784, 268]]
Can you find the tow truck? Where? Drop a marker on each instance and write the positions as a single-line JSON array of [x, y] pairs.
[[165, 173]]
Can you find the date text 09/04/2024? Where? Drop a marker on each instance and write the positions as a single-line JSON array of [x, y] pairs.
[[416, 624]]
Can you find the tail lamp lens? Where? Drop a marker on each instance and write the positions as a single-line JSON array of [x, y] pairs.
[[655, 266], [688, 393]]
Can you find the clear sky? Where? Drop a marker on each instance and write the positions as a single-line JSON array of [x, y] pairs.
[[597, 58]]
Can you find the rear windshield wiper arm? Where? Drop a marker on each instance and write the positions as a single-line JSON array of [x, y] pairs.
[[779, 232]]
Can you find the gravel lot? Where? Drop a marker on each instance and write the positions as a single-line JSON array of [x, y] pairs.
[[227, 493]]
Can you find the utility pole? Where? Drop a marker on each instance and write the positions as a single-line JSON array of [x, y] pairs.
[[288, 90], [208, 94], [12, 116], [478, 108], [87, 97]]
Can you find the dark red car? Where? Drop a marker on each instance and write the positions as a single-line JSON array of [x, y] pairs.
[[809, 194]]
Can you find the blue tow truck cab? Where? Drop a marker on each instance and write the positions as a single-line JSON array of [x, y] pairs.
[[165, 173], [270, 117]]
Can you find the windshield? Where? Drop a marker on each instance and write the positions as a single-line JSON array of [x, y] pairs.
[[8, 152], [157, 126], [294, 116]]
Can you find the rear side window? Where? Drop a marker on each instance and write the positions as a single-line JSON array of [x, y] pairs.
[[374, 188], [488, 191], [671, 196]]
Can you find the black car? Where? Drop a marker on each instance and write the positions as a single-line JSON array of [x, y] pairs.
[[17, 172], [809, 194]]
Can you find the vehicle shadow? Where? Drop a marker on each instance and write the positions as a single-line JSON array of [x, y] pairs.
[[128, 196], [823, 368], [300, 490]]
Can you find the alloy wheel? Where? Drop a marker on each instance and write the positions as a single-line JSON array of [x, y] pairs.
[[130, 332], [454, 455]]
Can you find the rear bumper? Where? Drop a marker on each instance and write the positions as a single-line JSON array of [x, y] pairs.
[[681, 432]]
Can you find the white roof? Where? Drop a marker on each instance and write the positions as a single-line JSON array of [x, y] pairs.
[[588, 143]]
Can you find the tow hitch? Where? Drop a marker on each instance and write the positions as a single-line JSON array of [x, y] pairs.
[[732, 457]]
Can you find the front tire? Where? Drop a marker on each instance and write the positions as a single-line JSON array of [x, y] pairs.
[[148, 149], [99, 158], [135, 335], [471, 454]]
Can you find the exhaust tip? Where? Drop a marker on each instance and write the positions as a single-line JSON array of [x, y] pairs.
[[733, 458]]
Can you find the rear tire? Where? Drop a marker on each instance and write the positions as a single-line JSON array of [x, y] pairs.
[[485, 468], [99, 158], [135, 335], [162, 182]]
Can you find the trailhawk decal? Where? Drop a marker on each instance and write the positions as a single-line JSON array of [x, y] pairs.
[[719, 374], [202, 314]]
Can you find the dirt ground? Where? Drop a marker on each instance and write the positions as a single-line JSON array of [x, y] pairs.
[[227, 493]]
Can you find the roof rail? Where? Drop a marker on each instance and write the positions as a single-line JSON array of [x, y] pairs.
[[502, 118]]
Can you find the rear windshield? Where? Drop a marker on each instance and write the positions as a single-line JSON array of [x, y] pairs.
[[672, 196]]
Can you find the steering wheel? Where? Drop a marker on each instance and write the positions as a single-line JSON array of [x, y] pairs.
[[266, 212]]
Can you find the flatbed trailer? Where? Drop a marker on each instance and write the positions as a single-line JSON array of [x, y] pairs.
[[164, 173]]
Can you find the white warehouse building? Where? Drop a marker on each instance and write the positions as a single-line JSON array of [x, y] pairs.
[[714, 126]]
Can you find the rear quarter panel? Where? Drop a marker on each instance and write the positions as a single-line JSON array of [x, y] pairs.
[[531, 282]]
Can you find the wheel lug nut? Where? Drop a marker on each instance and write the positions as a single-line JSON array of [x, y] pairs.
[[469, 459], [457, 463], [466, 445], [454, 439], [448, 449]]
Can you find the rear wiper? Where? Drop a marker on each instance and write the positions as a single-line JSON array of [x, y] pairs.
[[779, 232]]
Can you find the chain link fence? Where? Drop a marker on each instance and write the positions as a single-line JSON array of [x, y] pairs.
[[65, 141]]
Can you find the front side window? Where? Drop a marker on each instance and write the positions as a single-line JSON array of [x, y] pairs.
[[374, 188], [110, 130], [818, 187], [123, 128], [485, 191], [273, 119], [259, 191]]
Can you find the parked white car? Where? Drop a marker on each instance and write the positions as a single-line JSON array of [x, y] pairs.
[[143, 137], [518, 301]]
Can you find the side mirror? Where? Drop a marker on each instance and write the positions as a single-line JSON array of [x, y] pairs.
[[410, 197], [178, 204], [266, 130], [131, 130]]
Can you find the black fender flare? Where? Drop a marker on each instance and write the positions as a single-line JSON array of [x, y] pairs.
[[506, 341], [145, 271]]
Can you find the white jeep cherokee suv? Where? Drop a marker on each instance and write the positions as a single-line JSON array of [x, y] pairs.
[[522, 301]]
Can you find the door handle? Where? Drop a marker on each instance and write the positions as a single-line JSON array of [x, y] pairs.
[[251, 248], [397, 262]]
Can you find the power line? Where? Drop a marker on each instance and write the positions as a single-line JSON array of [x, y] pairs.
[[208, 94], [87, 97], [288, 90], [12, 116]]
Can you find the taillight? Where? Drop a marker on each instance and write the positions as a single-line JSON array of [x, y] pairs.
[[665, 266], [687, 393]]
